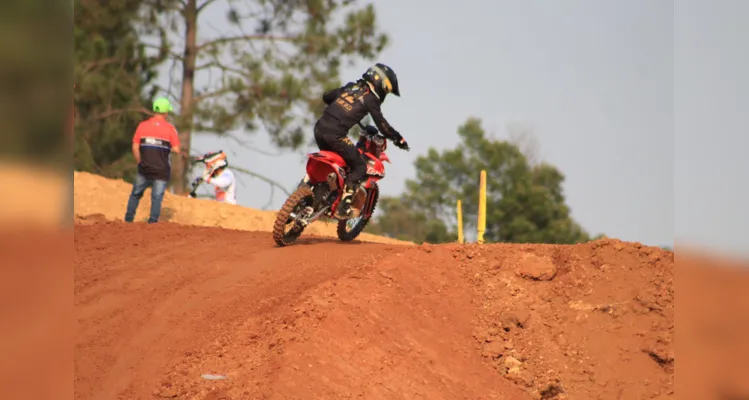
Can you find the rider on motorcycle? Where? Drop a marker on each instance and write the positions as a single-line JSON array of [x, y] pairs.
[[348, 105], [217, 173]]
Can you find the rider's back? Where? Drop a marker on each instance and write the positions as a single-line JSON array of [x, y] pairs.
[[347, 106]]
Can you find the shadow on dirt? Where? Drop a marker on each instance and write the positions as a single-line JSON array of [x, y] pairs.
[[319, 240]]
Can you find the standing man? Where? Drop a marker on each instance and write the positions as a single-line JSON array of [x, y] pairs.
[[153, 141]]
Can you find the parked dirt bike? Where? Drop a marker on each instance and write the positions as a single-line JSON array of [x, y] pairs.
[[319, 193]]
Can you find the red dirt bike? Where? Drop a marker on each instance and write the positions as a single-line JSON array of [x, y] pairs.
[[319, 193]]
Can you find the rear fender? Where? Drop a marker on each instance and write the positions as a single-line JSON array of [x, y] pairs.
[[319, 167]]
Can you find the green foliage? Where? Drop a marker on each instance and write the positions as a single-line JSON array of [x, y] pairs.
[[525, 202], [399, 221], [269, 73], [35, 105], [111, 72]]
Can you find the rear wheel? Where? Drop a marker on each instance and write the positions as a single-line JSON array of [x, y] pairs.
[[287, 229], [349, 229]]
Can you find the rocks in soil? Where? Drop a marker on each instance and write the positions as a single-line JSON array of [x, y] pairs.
[[536, 268], [551, 391], [166, 393], [662, 353], [493, 350], [563, 311], [521, 377], [517, 318], [511, 362], [515, 371]]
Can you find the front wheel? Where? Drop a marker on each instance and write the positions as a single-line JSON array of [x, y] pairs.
[[349, 229], [295, 205]]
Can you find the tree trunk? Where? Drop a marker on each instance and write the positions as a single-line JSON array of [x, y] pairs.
[[181, 165]]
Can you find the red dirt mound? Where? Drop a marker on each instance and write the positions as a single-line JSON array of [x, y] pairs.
[[160, 305], [589, 321]]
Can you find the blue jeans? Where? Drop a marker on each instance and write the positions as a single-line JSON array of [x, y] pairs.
[[158, 187]]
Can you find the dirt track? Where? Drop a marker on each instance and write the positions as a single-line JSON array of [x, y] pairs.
[[100, 199], [160, 305]]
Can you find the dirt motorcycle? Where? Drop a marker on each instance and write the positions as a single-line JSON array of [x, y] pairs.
[[319, 193]]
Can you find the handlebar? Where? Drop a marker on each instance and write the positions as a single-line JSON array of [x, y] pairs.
[[364, 127], [376, 133], [364, 131]]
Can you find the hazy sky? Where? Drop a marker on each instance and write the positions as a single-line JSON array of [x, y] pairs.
[[595, 81], [711, 99]]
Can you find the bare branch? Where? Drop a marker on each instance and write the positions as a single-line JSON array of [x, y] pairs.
[[523, 137], [171, 77], [160, 48], [230, 39], [111, 112], [204, 5], [112, 83], [168, 90], [201, 128], [209, 95], [250, 147], [207, 65], [241, 181], [223, 67], [270, 197], [262, 178], [90, 66], [217, 64]]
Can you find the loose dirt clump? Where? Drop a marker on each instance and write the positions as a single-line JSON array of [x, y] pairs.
[[537, 268], [594, 320]]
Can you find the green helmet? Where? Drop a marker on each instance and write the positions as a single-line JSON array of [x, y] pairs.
[[162, 105]]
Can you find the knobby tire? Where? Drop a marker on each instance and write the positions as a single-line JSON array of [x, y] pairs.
[[285, 239]]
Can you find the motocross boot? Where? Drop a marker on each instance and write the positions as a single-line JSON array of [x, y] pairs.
[[344, 208]]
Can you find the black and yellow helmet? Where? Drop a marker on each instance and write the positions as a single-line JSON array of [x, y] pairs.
[[383, 79]]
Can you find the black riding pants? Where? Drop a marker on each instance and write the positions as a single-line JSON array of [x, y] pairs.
[[330, 140]]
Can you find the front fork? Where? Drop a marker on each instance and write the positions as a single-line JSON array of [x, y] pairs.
[[367, 209]]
